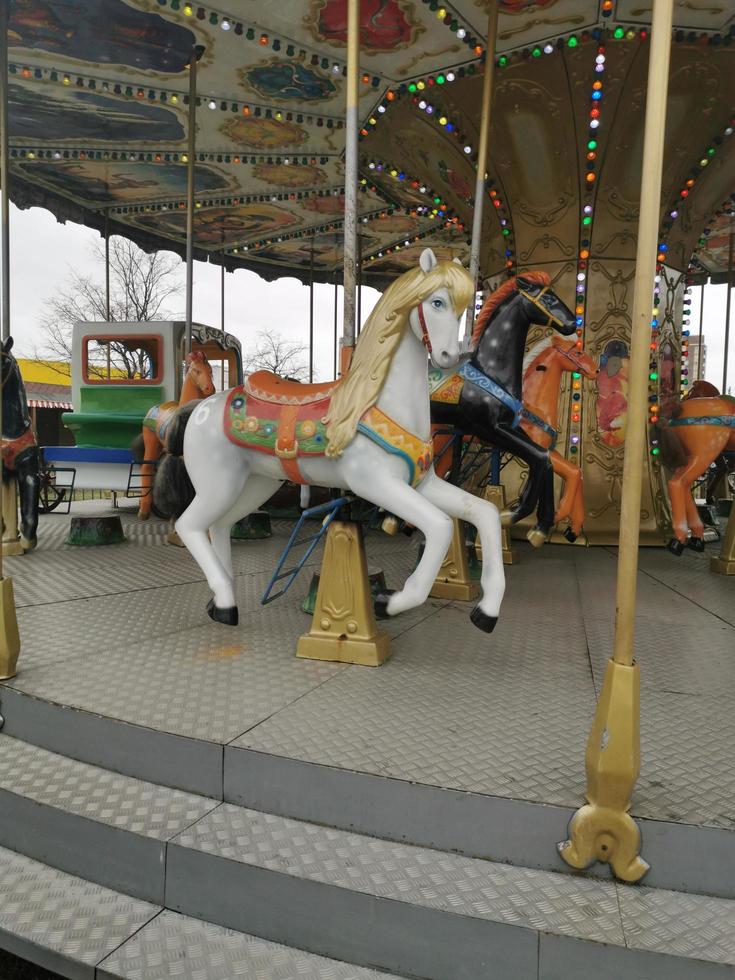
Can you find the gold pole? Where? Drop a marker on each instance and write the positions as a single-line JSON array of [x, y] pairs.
[[482, 155], [730, 249], [603, 830], [349, 275], [9, 636], [196, 54]]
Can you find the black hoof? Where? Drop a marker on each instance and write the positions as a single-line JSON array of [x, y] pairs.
[[228, 617], [675, 547], [482, 621], [696, 544], [381, 604], [570, 535]]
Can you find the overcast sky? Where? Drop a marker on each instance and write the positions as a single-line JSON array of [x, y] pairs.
[[42, 253]]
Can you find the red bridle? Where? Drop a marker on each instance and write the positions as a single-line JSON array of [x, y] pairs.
[[425, 340]]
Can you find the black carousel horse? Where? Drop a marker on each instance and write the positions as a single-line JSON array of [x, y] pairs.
[[20, 453], [484, 396]]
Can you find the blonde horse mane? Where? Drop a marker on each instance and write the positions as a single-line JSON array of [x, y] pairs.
[[382, 334]]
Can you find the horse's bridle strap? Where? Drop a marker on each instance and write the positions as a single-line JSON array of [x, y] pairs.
[[425, 339], [534, 300]]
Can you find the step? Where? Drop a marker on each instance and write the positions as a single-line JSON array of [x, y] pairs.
[[87, 932], [91, 822], [407, 910], [683, 856]]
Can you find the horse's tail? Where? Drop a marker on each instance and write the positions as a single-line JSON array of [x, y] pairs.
[[137, 448], [673, 454], [173, 491]]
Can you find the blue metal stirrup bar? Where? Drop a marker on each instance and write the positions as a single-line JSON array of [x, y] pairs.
[[479, 378]]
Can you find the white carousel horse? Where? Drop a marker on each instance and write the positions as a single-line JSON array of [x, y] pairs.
[[369, 433]]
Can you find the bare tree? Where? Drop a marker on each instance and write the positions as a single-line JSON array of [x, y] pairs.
[[273, 353], [141, 285]]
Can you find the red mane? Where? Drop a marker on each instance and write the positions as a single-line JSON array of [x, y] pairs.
[[500, 295]]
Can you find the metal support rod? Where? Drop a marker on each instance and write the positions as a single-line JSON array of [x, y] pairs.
[[482, 155], [9, 636], [4, 195], [358, 322], [107, 266], [727, 309], [351, 175], [5, 172], [311, 313], [336, 341], [701, 336], [222, 294], [635, 440], [190, 168]]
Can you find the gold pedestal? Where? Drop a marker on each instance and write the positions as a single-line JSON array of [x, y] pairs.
[[454, 580], [343, 628], [11, 537], [9, 636], [496, 495], [724, 563], [604, 830]]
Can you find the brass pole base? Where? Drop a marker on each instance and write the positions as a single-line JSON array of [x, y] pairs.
[[724, 563], [343, 628], [604, 830], [601, 834], [454, 580], [9, 636], [722, 566], [496, 495]]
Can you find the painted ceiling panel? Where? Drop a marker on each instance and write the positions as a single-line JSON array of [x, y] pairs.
[[98, 119]]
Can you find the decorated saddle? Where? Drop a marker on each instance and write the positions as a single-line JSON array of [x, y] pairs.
[[287, 419]]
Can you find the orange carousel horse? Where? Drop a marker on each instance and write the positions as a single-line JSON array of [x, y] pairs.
[[149, 445], [539, 420], [700, 428]]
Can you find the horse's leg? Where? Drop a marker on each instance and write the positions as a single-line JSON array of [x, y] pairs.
[[515, 441], [485, 517], [544, 511], [694, 521], [29, 485], [257, 490], [216, 493], [571, 504], [397, 497], [570, 473], [151, 452]]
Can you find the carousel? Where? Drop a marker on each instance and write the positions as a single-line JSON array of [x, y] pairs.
[[199, 775]]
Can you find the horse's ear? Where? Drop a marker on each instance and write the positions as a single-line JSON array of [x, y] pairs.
[[8, 345], [427, 260]]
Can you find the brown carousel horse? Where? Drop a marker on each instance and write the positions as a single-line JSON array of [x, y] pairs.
[[20, 454], [149, 446], [539, 420], [701, 428]]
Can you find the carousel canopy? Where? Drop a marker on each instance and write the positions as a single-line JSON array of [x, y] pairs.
[[98, 124]]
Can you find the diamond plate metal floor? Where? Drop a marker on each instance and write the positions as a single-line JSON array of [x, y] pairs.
[[121, 632], [176, 946], [408, 910], [82, 930]]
